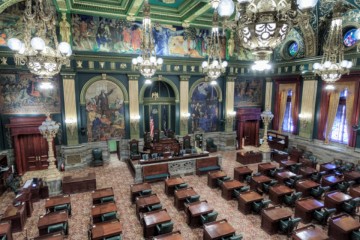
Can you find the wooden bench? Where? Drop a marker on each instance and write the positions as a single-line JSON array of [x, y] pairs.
[[205, 165], [155, 172]]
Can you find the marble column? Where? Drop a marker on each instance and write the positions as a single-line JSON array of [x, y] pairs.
[[134, 106], [230, 117], [268, 93], [308, 102], [71, 119], [184, 104]]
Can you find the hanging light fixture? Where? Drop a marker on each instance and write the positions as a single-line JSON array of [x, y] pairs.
[[333, 65], [147, 63], [263, 24], [39, 49], [214, 66]]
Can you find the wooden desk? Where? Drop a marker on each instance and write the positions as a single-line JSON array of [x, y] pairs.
[[101, 193], [54, 236], [277, 193], [306, 172], [17, 216], [354, 191], [151, 219], [213, 177], [169, 236], [335, 199], [217, 230], [240, 173], [25, 196], [283, 176], [304, 208], [257, 181], [248, 158], [51, 219], [287, 164], [106, 229], [228, 187], [265, 168], [331, 180], [181, 195], [100, 209], [328, 167], [340, 227], [194, 210], [143, 202], [305, 187], [5, 229], [170, 184], [72, 184], [135, 189], [278, 156], [271, 216], [352, 176], [309, 233], [50, 203], [246, 199]]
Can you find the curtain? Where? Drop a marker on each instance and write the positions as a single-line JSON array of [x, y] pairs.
[[349, 112], [284, 89], [333, 107], [283, 100]]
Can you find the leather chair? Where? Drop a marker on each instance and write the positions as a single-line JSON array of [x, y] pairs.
[[181, 186], [288, 226], [187, 144], [210, 146], [292, 181], [233, 237], [273, 172], [145, 192], [317, 192], [107, 199], [266, 186], [347, 167], [295, 168], [60, 227], [210, 217], [221, 180], [108, 216], [258, 206], [164, 228], [113, 238], [3, 237], [154, 207], [323, 216], [193, 199], [292, 198], [350, 206], [134, 150], [62, 207], [355, 235], [343, 186], [237, 191], [316, 177], [97, 157]]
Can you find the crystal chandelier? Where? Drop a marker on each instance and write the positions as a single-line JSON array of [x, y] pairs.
[[213, 67], [147, 63], [262, 24], [333, 65], [40, 50]]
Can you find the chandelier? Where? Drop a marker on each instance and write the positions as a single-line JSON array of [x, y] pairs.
[[262, 24], [40, 50], [213, 67], [147, 63], [333, 65]]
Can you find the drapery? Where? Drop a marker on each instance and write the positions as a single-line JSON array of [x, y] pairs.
[[284, 89], [333, 106]]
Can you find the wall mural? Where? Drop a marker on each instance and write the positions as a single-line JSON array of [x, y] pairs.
[[11, 23], [204, 108], [105, 111], [21, 94], [248, 92], [92, 33]]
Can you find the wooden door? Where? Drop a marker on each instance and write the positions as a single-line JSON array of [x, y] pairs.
[[250, 131], [34, 151]]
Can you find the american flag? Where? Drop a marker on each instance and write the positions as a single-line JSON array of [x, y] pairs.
[[151, 126]]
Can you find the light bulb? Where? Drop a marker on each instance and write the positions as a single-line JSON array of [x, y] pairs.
[[37, 43], [349, 65], [160, 61], [344, 63], [306, 4], [22, 48], [204, 64], [140, 59], [153, 59], [215, 62], [224, 64], [226, 8], [64, 47], [327, 64], [134, 61], [316, 66], [148, 81], [213, 82], [14, 44]]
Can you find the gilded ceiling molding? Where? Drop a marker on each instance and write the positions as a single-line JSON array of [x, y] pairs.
[[197, 82], [8, 4], [309, 40], [164, 79], [103, 77]]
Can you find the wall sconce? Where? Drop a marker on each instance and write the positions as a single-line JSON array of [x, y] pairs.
[[185, 118], [71, 125], [134, 121], [230, 116], [305, 119]]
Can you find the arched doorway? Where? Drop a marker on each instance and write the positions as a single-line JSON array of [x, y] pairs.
[[159, 107]]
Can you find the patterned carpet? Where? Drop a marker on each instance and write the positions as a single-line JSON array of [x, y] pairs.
[[117, 175]]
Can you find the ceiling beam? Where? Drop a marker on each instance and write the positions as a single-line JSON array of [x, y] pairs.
[[134, 7], [198, 13]]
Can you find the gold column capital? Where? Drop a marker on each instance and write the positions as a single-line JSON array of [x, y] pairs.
[[68, 75], [133, 77], [230, 78], [184, 77]]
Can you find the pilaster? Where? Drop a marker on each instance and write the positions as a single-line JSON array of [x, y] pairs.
[[134, 105], [184, 104], [268, 92], [230, 86]]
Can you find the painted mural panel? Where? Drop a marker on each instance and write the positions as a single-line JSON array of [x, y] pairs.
[[92, 33], [105, 111], [21, 94], [204, 108], [11, 23], [248, 92]]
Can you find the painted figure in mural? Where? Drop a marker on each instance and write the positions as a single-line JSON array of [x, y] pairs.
[[64, 29], [126, 36], [103, 35], [103, 102], [136, 38], [162, 36], [231, 44]]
